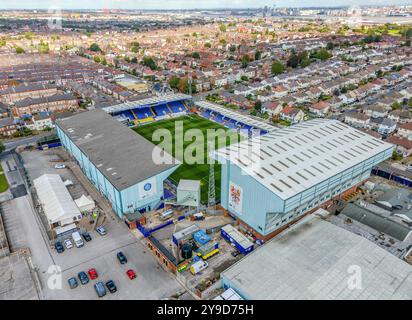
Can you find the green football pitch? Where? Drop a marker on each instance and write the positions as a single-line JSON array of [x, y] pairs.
[[186, 170]]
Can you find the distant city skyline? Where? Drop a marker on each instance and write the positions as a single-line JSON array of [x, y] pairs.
[[185, 4]]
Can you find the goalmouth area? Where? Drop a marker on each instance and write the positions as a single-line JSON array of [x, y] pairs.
[[185, 170]]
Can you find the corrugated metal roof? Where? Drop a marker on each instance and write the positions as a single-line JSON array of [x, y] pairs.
[[315, 259], [376, 221], [291, 160]]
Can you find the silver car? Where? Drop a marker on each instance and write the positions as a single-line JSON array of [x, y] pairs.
[[101, 230]]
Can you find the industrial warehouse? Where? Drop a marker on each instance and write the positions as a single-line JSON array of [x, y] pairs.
[[116, 160], [299, 169], [315, 259]]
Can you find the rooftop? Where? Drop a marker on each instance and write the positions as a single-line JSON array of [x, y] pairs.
[[121, 155], [291, 160], [313, 260]]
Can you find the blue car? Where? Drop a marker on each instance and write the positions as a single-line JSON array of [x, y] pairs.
[[100, 289], [83, 277], [59, 247], [121, 257], [73, 283]]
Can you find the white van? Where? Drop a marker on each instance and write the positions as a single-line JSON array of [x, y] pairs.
[[78, 241], [198, 266]]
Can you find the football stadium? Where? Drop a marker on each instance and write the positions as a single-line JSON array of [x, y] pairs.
[[300, 168], [164, 112]]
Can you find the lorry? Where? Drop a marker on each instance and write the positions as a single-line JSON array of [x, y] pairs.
[[198, 266], [78, 241]]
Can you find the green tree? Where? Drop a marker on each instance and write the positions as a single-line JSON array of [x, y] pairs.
[[293, 61], [95, 47], [277, 67], [174, 82], [258, 55], [149, 62], [2, 147], [245, 61], [208, 45], [19, 50], [222, 27], [323, 54], [196, 55]]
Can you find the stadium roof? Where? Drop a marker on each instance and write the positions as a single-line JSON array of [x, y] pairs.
[[236, 116], [291, 160], [313, 260], [121, 155], [56, 200], [147, 102]]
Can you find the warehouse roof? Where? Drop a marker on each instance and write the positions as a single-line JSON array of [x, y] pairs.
[[121, 155], [377, 222], [236, 116], [55, 199], [315, 259], [291, 160]]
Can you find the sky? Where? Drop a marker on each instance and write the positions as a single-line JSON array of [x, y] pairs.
[[181, 4]]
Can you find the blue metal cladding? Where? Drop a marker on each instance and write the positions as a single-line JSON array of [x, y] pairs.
[[258, 201], [238, 246], [392, 176], [124, 201]]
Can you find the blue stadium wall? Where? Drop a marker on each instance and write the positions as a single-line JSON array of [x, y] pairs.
[[257, 200], [122, 201]]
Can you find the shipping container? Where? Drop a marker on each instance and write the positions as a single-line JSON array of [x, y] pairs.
[[240, 241]]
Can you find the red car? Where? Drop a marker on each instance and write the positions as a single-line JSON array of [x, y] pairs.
[[131, 274], [92, 273]]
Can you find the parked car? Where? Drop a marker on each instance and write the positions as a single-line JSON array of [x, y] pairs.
[[121, 257], [77, 239], [68, 244], [59, 166], [83, 277], [100, 289], [131, 274], [73, 283], [59, 247], [101, 230], [92, 273], [111, 286], [235, 253], [87, 237]]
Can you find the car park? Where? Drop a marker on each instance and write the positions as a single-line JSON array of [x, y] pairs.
[[121, 257], [100, 289], [111, 286], [83, 277], [59, 247], [68, 244], [87, 237], [72, 283], [101, 230], [59, 166], [92, 273], [131, 274]]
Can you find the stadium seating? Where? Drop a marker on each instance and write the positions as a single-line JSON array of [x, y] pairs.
[[142, 113], [161, 110], [176, 106]]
